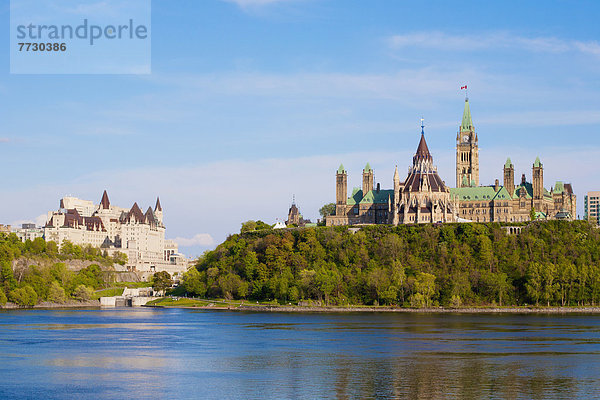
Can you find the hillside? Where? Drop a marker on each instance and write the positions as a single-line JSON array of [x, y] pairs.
[[550, 263], [36, 271]]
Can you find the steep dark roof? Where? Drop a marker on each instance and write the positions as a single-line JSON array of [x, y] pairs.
[[568, 188], [413, 182], [105, 202], [91, 223], [135, 213], [149, 216], [422, 151], [73, 219], [157, 207]]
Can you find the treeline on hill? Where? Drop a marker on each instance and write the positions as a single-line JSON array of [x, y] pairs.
[[32, 284], [549, 263]]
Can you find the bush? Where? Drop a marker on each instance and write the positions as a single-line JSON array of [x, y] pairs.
[[56, 293], [83, 293], [3, 298], [24, 296]]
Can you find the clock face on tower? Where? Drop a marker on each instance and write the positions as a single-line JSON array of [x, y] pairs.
[[465, 139]]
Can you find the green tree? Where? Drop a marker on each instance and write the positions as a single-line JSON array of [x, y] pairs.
[[161, 281], [89, 276], [38, 246], [425, 286], [248, 226], [23, 296], [193, 283], [379, 281], [119, 258], [232, 286], [7, 278], [83, 293], [51, 249], [327, 209], [535, 282], [56, 293], [3, 298], [549, 285]]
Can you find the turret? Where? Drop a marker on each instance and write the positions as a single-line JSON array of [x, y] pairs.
[[538, 179], [509, 176], [104, 203], [367, 184], [341, 190], [158, 212]]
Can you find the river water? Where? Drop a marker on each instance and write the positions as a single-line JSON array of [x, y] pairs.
[[146, 353]]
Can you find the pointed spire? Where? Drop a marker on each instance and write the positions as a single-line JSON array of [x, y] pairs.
[[105, 202], [158, 206], [508, 163], [467, 122], [423, 150], [136, 213], [367, 168], [537, 162], [396, 175], [341, 169]]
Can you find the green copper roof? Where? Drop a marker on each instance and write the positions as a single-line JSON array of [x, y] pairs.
[[372, 197], [537, 162], [508, 163], [559, 187], [528, 190], [341, 169], [467, 122], [480, 193], [368, 168]]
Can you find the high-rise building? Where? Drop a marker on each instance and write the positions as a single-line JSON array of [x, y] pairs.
[[592, 207]]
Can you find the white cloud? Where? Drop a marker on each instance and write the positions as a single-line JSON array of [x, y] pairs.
[[588, 47], [200, 239], [495, 40], [40, 220]]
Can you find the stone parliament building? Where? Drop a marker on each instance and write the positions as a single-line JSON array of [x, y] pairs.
[[423, 196]]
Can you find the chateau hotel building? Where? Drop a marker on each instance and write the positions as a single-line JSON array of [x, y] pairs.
[[423, 196], [141, 236]]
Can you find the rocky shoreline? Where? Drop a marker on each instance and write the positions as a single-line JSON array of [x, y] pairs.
[[46, 305]]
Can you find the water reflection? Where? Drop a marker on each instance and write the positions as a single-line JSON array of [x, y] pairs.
[[145, 353]]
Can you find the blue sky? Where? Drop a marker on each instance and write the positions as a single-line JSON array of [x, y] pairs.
[[252, 101]]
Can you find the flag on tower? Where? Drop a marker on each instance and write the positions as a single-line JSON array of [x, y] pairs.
[[463, 87]]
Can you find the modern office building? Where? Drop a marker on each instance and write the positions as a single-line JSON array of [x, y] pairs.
[[591, 206]]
